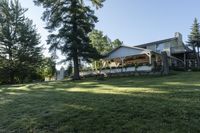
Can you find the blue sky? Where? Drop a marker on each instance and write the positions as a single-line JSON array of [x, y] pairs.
[[135, 21]]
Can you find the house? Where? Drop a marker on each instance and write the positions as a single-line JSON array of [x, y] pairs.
[[126, 58], [174, 47], [148, 57]]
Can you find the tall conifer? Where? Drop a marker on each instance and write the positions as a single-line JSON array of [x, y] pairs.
[[69, 22]]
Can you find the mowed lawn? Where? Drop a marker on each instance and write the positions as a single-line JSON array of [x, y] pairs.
[[153, 104]]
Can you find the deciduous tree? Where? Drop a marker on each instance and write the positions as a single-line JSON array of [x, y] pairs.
[[101, 42], [116, 43]]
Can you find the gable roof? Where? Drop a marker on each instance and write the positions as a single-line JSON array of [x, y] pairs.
[[115, 49], [157, 42], [164, 41]]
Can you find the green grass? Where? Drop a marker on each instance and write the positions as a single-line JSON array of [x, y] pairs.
[[151, 104]]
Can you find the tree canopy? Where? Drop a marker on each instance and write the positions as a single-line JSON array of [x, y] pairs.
[[194, 40], [102, 42], [48, 68], [69, 23], [20, 52], [116, 43]]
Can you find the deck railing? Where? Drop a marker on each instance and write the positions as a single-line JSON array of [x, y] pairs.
[[177, 49]]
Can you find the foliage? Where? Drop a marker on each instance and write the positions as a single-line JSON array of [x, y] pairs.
[[101, 42], [48, 68], [194, 37], [69, 69], [195, 69], [19, 41], [116, 43], [4, 67], [194, 40], [177, 69], [69, 23], [124, 104]]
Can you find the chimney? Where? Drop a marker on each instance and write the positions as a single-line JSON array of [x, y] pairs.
[[178, 35], [179, 38]]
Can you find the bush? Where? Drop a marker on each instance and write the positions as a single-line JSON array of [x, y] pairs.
[[100, 77], [178, 68], [195, 69]]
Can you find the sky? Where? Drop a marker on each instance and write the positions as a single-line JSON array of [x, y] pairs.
[[134, 21]]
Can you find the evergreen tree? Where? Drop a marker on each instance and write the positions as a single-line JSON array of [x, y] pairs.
[[69, 70], [71, 20], [18, 42], [194, 40], [4, 67]]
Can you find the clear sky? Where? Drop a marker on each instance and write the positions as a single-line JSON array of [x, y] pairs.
[[135, 21]]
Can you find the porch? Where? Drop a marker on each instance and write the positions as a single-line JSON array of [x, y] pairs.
[[132, 63]]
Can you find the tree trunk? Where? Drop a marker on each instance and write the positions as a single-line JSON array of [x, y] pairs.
[[11, 68], [11, 76], [76, 68], [198, 57], [165, 67], [75, 44]]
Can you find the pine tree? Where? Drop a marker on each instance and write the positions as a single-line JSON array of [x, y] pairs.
[[69, 22], [194, 40], [18, 42]]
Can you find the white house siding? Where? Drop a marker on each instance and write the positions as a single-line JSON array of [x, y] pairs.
[[163, 47], [166, 47], [124, 52], [176, 45], [152, 47]]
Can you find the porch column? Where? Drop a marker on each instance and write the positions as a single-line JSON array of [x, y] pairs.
[[156, 58], [150, 61], [110, 67], [185, 60], [149, 55], [101, 66], [122, 59]]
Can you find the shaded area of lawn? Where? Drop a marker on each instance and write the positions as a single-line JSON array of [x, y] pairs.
[[129, 104]]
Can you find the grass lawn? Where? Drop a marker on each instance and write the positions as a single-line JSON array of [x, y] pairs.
[[127, 104]]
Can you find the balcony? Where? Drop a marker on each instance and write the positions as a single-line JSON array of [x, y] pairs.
[[177, 49]]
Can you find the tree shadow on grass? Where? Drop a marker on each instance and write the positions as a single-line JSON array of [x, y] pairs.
[[59, 107]]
